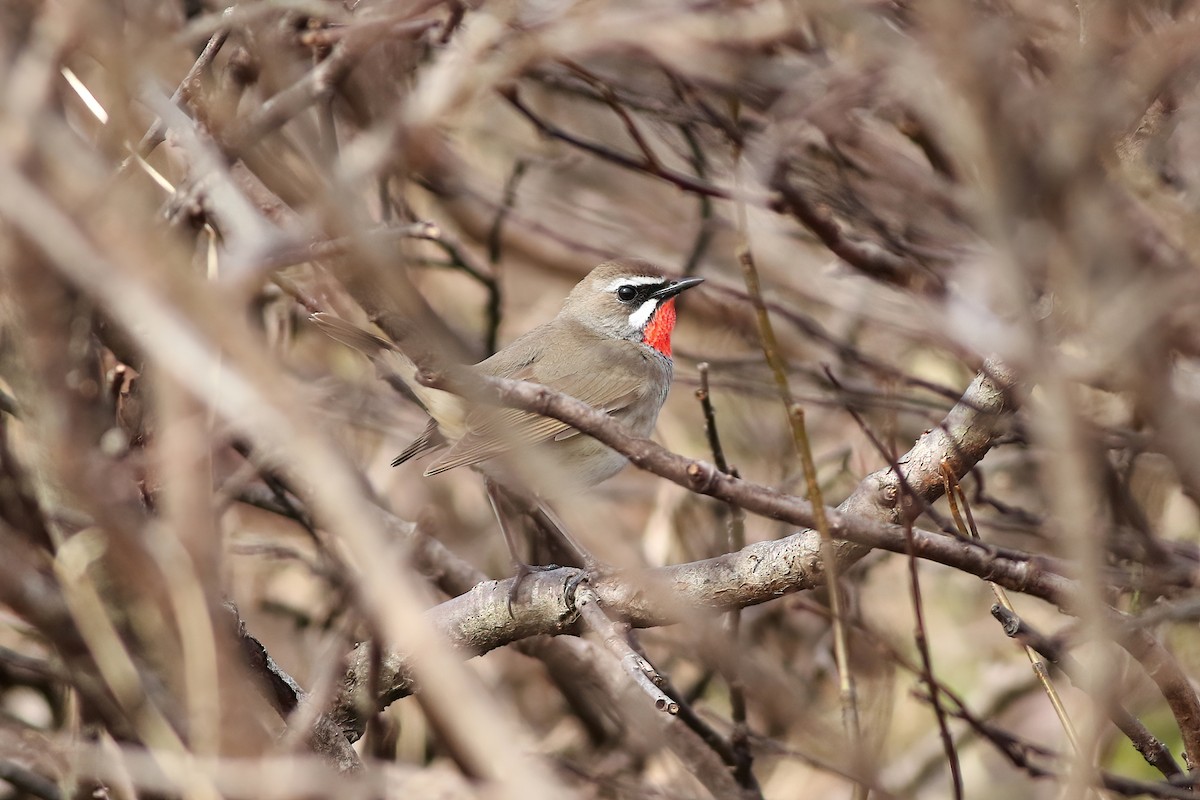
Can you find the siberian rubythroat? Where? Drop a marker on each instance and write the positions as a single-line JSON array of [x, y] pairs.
[[609, 346]]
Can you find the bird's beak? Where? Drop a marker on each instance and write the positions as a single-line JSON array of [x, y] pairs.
[[675, 288]]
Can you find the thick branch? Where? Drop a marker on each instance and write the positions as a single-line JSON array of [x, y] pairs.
[[872, 514]]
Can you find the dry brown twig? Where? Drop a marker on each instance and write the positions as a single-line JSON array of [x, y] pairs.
[[635, 665]]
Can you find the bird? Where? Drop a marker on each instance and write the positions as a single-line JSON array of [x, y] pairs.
[[609, 346]]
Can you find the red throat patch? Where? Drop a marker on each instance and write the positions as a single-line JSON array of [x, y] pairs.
[[658, 330]]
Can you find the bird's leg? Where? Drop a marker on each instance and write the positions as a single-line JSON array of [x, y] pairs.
[[543, 515], [550, 523], [499, 503], [502, 500]]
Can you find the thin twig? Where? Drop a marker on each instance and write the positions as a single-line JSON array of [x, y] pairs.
[[1008, 743], [926, 672], [704, 232], [1149, 746], [919, 633], [685, 182], [610, 97], [114, 660], [462, 259], [710, 421], [458, 10], [954, 495], [188, 87], [1019, 753], [840, 347], [279, 488], [866, 257], [508, 201], [736, 540], [643, 673], [795, 416], [699, 724], [318, 82], [925, 505], [846, 687]]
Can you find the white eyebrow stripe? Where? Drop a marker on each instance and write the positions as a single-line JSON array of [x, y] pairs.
[[639, 318], [634, 280]]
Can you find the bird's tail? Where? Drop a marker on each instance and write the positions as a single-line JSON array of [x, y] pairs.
[[430, 439], [351, 335], [396, 368]]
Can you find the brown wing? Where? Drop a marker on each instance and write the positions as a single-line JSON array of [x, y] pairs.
[[492, 431]]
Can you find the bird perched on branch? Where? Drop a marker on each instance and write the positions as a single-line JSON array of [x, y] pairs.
[[609, 346]]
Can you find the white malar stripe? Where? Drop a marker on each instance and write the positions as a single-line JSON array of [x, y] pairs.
[[634, 280], [639, 318]]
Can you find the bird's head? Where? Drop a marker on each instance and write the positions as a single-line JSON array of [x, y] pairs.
[[629, 299]]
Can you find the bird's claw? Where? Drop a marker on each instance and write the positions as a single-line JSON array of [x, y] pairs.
[[572, 584], [521, 572]]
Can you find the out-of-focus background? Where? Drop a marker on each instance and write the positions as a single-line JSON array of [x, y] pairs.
[[916, 186]]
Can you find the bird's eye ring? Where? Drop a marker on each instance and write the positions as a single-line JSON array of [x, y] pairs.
[[626, 293]]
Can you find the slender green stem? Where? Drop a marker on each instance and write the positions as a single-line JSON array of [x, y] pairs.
[[955, 497], [846, 688]]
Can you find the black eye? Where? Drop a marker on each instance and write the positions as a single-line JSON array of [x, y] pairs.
[[626, 293]]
